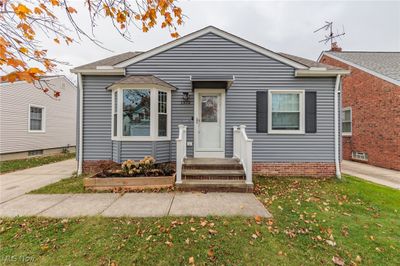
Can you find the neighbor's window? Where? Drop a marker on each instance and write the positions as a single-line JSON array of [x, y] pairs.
[[286, 111], [36, 119], [142, 114], [346, 121], [162, 114], [136, 112]]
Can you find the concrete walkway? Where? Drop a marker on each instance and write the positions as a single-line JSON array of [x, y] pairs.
[[134, 205], [15, 184], [386, 177]]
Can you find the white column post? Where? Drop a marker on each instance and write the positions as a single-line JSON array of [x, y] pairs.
[[249, 161], [236, 142]]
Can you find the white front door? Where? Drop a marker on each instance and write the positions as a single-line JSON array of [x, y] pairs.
[[209, 127]]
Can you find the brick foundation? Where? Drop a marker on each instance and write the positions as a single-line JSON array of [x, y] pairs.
[[96, 166], [295, 169]]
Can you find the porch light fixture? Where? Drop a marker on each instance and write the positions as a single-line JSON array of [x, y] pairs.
[[185, 98]]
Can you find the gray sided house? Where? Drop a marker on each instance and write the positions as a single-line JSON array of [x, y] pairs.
[[211, 94], [34, 124]]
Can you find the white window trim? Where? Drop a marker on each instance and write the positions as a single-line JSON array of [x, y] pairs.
[[351, 121], [302, 112], [153, 114], [43, 130]]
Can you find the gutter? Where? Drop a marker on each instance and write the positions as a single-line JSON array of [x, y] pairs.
[[336, 127], [100, 71], [80, 154], [320, 73]]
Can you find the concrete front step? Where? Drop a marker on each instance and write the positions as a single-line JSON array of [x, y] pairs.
[[213, 172], [212, 163], [214, 186]]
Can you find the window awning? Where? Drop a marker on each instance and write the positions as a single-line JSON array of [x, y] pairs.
[[212, 81], [142, 80]]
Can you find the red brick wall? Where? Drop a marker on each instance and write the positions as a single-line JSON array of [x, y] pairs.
[[302, 169], [375, 105]]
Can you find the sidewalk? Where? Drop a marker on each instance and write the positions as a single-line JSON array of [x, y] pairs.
[[386, 177], [15, 184], [134, 205]]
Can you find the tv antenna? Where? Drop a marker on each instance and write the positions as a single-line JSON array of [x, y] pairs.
[[331, 36]]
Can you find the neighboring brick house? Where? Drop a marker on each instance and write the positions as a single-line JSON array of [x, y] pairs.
[[371, 106]]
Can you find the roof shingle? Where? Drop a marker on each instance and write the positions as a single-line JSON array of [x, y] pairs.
[[384, 63], [110, 61]]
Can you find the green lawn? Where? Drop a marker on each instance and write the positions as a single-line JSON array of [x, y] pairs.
[[15, 165], [73, 184], [314, 221]]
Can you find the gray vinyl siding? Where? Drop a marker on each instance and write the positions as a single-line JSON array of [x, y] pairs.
[[97, 144], [59, 116], [213, 55]]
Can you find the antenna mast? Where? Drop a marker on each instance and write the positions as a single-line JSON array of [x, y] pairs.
[[331, 36]]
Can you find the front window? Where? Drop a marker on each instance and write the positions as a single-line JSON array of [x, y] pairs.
[[286, 112], [136, 112], [143, 114], [346, 121], [36, 119], [162, 114]]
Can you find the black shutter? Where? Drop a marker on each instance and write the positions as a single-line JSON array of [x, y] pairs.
[[311, 111], [262, 111]]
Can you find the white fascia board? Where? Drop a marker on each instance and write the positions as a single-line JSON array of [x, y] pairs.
[[369, 71], [218, 32], [320, 73]]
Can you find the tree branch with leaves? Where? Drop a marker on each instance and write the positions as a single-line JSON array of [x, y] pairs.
[[22, 57]]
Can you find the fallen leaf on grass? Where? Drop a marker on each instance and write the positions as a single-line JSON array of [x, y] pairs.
[[331, 243], [338, 261], [192, 229], [213, 232], [168, 243], [191, 260], [258, 219], [358, 258]]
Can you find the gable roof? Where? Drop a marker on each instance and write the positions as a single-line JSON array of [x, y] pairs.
[[309, 63], [110, 61], [218, 32], [117, 64], [385, 65]]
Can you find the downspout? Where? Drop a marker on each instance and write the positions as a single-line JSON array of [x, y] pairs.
[[80, 157], [336, 121]]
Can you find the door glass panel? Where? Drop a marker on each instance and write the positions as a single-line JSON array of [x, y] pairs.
[[209, 109]]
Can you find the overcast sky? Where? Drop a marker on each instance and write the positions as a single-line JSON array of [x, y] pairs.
[[279, 26]]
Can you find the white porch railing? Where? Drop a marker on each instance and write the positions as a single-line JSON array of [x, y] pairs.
[[180, 152], [243, 150]]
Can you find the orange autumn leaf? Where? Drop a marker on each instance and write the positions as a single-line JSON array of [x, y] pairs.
[[55, 2], [175, 35], [38, 11], [70, 9], [35, 70], [121, 18], [22, 11], [14, 62], [23, 50]]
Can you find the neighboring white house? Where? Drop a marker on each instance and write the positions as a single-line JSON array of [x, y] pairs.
[[32, 123]]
